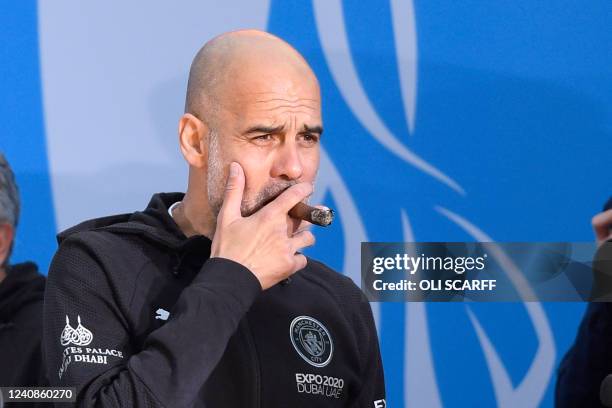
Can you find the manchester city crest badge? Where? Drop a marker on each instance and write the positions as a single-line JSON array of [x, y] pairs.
[[311, 340]]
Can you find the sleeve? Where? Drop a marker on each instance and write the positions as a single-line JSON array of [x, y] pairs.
[[372, 392], [88, 344], [588, 361]]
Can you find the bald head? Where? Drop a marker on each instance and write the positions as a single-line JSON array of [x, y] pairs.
[[239, 60]]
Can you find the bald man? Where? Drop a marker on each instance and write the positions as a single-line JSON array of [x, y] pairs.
[[204, 299]]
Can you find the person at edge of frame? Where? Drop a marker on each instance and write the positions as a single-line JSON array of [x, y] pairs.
[[21, 299], [589, 360]]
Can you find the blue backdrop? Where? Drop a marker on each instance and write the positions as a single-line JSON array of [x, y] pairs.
[[449, 121]]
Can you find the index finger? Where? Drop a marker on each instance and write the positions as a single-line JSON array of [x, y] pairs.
[[288, 198]]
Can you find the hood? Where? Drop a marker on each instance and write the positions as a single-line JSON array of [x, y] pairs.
[[23, 285], [155, 225]]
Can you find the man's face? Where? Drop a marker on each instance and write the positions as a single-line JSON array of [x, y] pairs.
[[7, 233], [271, 125]]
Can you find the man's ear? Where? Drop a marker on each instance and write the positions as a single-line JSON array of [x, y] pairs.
[[7, 232], [193, 139]]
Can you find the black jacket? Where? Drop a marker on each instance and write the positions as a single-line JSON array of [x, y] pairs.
[[21, 305], [136, 314], [588, 361]]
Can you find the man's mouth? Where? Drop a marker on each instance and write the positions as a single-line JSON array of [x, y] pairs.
[[274, 196], [267, 199]]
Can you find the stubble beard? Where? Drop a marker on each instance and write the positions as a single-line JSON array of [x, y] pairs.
[[216, 180]]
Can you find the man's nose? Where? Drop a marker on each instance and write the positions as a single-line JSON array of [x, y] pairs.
[[288, 164]]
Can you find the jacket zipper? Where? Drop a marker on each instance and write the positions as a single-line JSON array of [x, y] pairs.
[[254, 361]]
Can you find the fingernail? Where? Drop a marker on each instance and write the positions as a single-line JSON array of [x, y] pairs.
[[233, 169]]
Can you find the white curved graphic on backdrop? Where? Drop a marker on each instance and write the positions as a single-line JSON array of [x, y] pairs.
[[420, 384], [334, 42], [404, 35], [532, 388], [330, 180]]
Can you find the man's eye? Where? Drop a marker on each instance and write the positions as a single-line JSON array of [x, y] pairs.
[[263, 138], [309, 138]]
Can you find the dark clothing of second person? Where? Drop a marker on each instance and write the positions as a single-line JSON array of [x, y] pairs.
[[588, 361], [21, 306]]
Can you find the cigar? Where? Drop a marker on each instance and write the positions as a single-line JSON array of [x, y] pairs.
[[313, 215]]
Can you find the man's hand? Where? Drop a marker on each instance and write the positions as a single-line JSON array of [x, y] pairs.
[[602, 223], [261, 242]]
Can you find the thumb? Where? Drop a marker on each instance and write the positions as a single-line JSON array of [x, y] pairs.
[[232, 198]]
